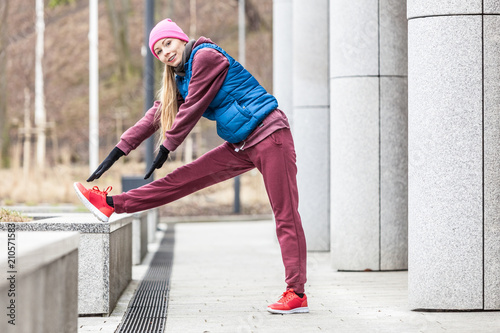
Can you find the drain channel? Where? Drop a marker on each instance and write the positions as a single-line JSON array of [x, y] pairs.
[[147, 311]]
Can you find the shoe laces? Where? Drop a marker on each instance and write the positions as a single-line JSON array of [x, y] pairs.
[[98, 191], [287, 296]]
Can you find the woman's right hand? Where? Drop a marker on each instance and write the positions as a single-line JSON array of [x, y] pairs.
[[115, 154], [159, 160]]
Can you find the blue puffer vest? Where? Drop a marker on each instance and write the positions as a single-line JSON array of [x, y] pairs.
[[241, 103]]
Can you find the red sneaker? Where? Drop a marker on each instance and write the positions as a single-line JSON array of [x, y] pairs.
[[289, 302], [95, 201]]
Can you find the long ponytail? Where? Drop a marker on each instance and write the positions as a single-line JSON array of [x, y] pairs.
[[168, 102]]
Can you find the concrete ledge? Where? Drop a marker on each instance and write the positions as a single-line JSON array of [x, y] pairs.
[[140, 235], [153, 220], [105, 256], [41, 288], [216, 218]]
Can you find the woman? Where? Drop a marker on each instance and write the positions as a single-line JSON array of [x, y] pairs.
[[201, 79]]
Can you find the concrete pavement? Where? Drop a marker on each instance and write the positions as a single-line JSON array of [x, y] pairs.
[[226, 273]]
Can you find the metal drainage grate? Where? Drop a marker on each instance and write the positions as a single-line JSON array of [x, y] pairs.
[[147, 311]]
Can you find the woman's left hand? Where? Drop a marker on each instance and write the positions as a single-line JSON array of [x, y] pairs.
[[159, 160]]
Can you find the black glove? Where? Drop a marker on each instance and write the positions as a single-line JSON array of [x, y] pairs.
[[159, 160], [115, 154]]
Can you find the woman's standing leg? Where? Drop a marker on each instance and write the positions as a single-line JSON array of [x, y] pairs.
[[275, 158], [215, 166]]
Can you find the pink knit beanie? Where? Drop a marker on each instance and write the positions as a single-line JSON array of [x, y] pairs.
[[165, 29]]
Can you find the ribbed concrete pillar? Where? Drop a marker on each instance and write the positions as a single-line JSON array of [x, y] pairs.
[[311, 118], [282, 56], [454, 154], [368, 85]]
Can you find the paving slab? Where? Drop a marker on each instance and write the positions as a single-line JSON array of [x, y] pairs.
[[225, 274]]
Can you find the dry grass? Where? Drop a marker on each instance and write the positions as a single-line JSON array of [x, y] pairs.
[[7, 215], [54, 186]]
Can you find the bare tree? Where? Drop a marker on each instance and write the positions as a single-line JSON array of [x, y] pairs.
[[118, 19], [193, 19], [167, 10], [253, 16], [4, 124], [40, 115]]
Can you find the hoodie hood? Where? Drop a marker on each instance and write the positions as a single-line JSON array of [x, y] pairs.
[[179, 70]]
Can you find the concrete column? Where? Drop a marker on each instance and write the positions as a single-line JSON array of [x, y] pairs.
[[282, 56], [454, 154], [311, 118], [368, 91]]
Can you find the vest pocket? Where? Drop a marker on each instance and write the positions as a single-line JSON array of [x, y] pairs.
[[234, 123], [241, 109]]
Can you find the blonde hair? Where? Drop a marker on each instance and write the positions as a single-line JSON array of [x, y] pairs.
[[168, 102]]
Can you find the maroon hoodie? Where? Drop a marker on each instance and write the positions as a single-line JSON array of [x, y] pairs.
[[209, 69]]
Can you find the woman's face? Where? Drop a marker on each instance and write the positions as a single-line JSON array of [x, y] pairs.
[[169, 51]]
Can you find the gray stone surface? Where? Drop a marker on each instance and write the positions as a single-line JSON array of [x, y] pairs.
[[140, 235], [210, 290], [423, 8], [393, 38], [153, 220], [98, 288], [35, 249], [360, 38], [491, 163], [93, 274], [445, 163], [311, 118], [45, 288], [229, 290], [311, 144], [368, 86], [491, 6], [282, 56], [119, 266], [83, 223], [109, 324], [393, 173], [355, 173], [353, 38], [144, 235], [310, 54], [105, 268]]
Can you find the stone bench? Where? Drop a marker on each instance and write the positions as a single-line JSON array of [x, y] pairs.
[[153, 221], [104, 258], [40, 290], [130, 182], [140, 228], [144, 227]]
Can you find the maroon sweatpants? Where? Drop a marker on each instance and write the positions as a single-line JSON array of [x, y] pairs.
[[274, 157]]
